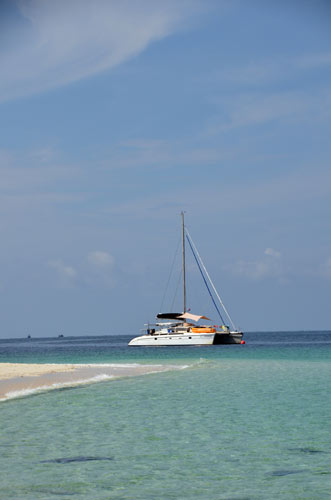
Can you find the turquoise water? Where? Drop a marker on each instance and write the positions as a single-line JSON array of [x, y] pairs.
[[242, 422]]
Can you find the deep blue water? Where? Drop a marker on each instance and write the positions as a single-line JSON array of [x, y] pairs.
[[281, 345]]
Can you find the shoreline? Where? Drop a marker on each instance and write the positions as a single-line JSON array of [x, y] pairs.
[[23, 379]]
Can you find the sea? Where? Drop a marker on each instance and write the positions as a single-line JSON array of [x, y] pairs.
[[232, 422]]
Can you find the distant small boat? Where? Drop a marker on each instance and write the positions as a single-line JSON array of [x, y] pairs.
[[60, 336], [179, 329]]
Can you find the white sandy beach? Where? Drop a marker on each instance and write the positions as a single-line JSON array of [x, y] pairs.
[[13, 370], [20, 379]]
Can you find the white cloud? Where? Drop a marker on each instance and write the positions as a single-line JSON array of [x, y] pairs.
[[66, 40], [101, 259], [66, 274], [95, 270], [101, 270], [253, 269], [272, 253]]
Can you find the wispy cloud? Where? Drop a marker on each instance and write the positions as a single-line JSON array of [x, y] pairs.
[[272, 252], [325, 269], [102, 269], [312, 61], [33, 180], [262, 72], [66, 274], [68, 40], [257, 108], [32, 171], [301, 187], [101, 259], [259, 92], [96, 268], [267, 266], [161, 154]]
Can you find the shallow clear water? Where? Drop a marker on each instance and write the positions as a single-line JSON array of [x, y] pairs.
[[242, 422]]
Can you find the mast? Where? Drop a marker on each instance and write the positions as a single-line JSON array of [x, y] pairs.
[[184, 274]]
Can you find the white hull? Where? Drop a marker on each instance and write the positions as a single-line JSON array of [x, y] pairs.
[[173, 339]]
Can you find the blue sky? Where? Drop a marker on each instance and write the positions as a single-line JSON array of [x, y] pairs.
[[115, 116]]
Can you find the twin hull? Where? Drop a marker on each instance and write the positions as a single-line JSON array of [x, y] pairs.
[[189, 339]]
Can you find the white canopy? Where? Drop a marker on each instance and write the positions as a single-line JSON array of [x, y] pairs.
[[194, 317]]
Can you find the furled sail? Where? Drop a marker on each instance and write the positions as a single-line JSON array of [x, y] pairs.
[[169, 315]]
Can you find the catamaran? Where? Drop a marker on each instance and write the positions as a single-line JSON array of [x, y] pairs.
[[177, 328]]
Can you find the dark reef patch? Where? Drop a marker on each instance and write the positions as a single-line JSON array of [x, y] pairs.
[[68, 460], [310, 451], [285, 472]]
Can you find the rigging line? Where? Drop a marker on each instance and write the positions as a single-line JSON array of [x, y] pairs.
[[212, 284], [169, 277], [204, 279]]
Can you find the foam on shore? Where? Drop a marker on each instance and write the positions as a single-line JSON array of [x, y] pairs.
[[23, 379]]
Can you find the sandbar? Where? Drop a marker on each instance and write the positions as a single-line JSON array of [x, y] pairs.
[[12, 370], [23, 379]]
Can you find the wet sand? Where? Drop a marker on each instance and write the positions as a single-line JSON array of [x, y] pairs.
[[22, 379]]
